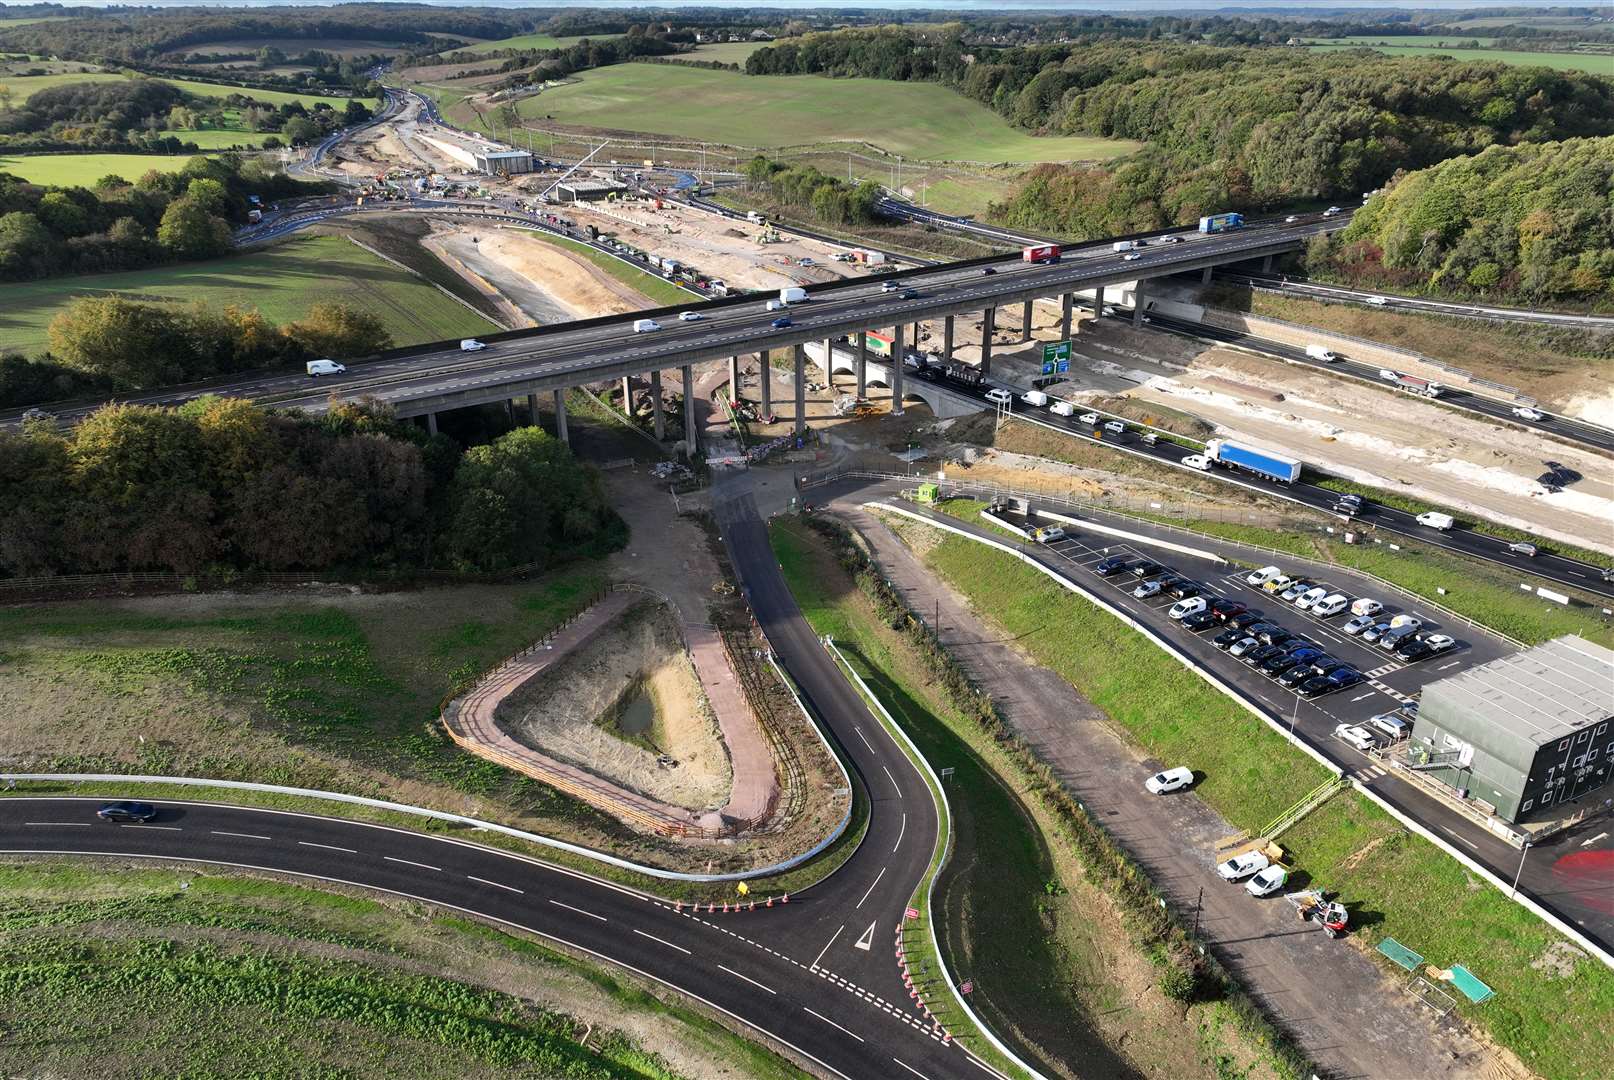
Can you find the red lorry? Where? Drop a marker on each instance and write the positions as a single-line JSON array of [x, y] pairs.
[[1041, 253]]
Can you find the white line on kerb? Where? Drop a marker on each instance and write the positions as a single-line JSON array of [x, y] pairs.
[[496, 885], [665, 942], [910, 1068], [580, 911], [827, 944], [748, 979], [877, 878], [833, 1024], [409, 862], [242, 835], [327, 847], [901, 829]]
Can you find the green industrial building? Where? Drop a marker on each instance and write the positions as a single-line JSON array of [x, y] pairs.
[[1525, 734]]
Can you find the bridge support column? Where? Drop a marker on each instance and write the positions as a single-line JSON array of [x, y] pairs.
[[1025, 322], [1066, 302], [560, 417], [691, 436], [829, 365], [1137, 304], [989, 320], [895, 367], [765, 379], [1266, 264], [431, 423], [1098, 302], [947, 340], [913, 341], [801, 390], [532, 409], [1205, 276], [510, 411], [656, 407], [627, 396], [862, 363], [734, 379]]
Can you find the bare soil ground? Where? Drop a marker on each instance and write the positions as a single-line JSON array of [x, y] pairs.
[[569, 712]]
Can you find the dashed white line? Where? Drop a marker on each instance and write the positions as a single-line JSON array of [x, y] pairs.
[[1461, 837], [164, 828], [865, 739], [833, 1024], [877, 878], [748, 979], [408, 862], [910, 1068], [242, 835], [827, 944], [665, 942], [901, 829], [59, 824], [580, 911], [497, 885], [893, 779], [327, 847]]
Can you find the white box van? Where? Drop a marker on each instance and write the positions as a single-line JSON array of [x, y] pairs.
[[1436, 520], [1061, 408], [1320, 352], [644, 326], [1184, 608], [325, 367], [1034, 397], [471, 345], [776, 305], [792, 295], [1124, 245], [1405, 621]]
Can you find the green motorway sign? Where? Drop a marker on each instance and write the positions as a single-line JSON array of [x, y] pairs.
[[1054, 351]]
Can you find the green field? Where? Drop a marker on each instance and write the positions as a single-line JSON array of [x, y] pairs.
[[964, 194], [24, 86], [83, 170], [215, 139], [727, 52], [1380, 39], [917, 120], [533, 41], [282, 282], [1589, 62]]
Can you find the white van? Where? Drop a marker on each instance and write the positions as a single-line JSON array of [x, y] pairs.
[[1061, 408], [792, 294], [1034, 397], [1436, 520], [1115, 427], [644, 326], [999, 396], [1197, 461], [776, 305], [317, 368], [1330, 605], [1262, 576], [1184, 608], [1405, 621], [471, 345], [1366, 606]]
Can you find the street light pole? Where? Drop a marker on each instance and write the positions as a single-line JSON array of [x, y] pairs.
[[1515, 891], [1295, 718]]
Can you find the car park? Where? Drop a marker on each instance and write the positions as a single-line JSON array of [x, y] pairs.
[[1262, 576], [1146, 569], [1242, 866], [1329, 606], [1306, 599], [1204, 620], [1268, 881], [1390, 725], [1278, 584], [1188, 605], [1243, 645], [1356, 736], [1048, 534], [1162, 783], [1112, 565], [126, 811], [1146, 590]]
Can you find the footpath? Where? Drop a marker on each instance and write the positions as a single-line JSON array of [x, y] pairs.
[[1352, 1020]]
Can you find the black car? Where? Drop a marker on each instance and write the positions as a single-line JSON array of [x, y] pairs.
[[1338, 679], [1349, 505], [127, 811], [1228, 638], [1243, 620], [987, 271], [1295, 644], [1256, 657], [1170, 581], [1274, 636], [1200, 620], [1184, 590], [1319, 665], [1147, 569], [1257, 628], [1112, 565], [908, 294], [1413, 651], [1226, 609], [1278, 663]]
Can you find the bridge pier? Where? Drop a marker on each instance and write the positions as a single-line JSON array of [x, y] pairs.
[[1205, 276], [765, 378], [532, 409], [734, 379], [862, 363], [1066, 302], [1137, 304], [691, 436], [627, 396], [989, 320], [947, 340], [656, 407], [801, 390], [1025, 322], [895, 368], [431, 423], [1098, 302], [1266, 264], [560, 417], [510, 411]]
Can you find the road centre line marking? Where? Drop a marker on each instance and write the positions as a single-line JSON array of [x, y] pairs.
[[748, 979], [580, 911], [893, 779], [242, 835], [877, 878], [665, 942], [832, 1023], [1459, 836], [901, 830], [58, 824], [825, 949], [496, 885], [327, 847], [164, 828], [410, 862], [910, 1068], [865, 738]]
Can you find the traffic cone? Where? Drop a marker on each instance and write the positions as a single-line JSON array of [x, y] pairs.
[[725, 907], [678, 907], [785, 899], [769, 903], [753, 906]]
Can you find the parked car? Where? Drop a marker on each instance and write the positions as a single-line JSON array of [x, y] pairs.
[[1262, 576], [1146, 590], [1184, 589], [1296, 590], [1048, 534], [1146, 569], [1376, 631], [1258, 656], [1228, 638], [1224, 610], [1243, 645], [1423, 647], [1277, 635], [1301, 672], [1357, 624], [1278, 584], [1390, 725], [1204, 620], [1244, 619], [1162, 783], [1329, 606], [126, 811], [1256, 629], [1356, 736], [1188, 605], [1325, 684], [1363, 605], [1306, 599], [1112, 565], [1242, 866], [1393, 638], [1268, 881], [1280, 662]]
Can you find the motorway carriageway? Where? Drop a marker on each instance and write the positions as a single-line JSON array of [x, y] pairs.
[[740, 324], [1583, 576], [818, 974]]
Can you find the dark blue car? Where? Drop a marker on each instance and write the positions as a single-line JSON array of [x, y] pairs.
[[782, 324]]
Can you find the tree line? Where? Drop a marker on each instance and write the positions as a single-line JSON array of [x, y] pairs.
[[119, 225], [821, 195], [1528, 223], [223, 485]]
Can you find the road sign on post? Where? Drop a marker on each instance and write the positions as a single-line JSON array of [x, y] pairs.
[[1055, 351]]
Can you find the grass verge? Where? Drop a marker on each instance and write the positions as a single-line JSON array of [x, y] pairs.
[[1396, 883], [245, 975]]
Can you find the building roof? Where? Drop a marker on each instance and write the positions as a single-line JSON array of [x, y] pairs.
[[495, 154], [1540, 694]]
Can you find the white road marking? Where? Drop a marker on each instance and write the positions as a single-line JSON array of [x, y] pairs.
[[1363, 697], [827, 944], [866, 942], [665, 942], [496, 885], [901, 829], [910, 1068], [1443, 667], [1593, 840], [865, 739], [1464, 839], [833, 1024], [327, 847], [877, 878], [580, 911], [242, 835], [748, 979], [408, 862], [164, 828], [58, 824], [893, 779]]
